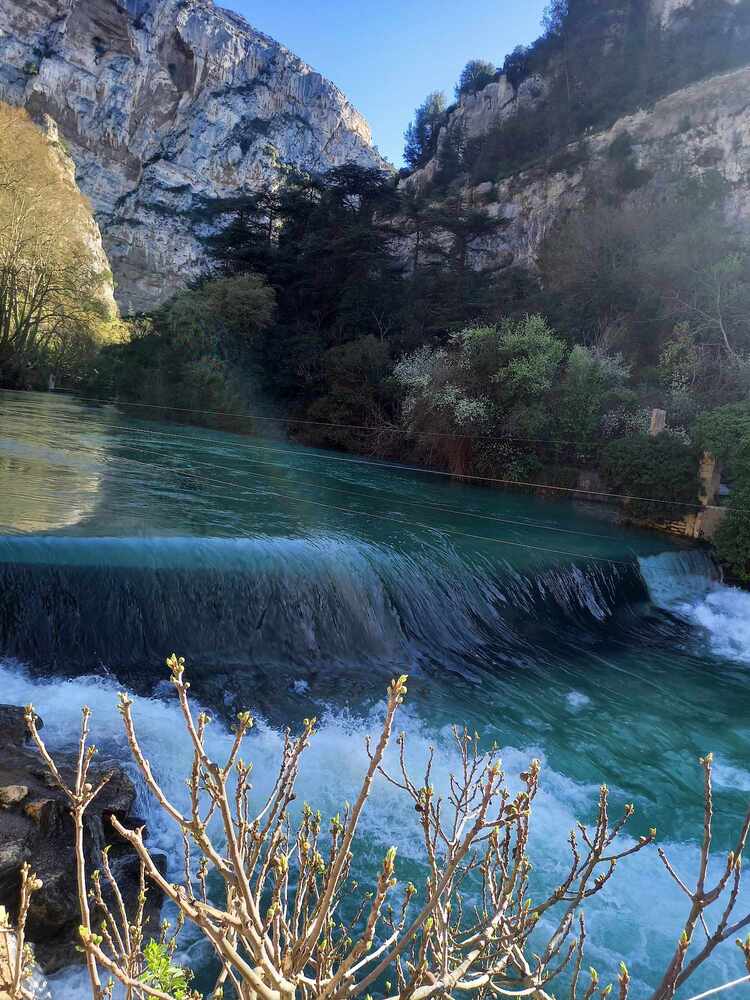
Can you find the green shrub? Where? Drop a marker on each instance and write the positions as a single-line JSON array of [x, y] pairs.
[[194, 353], [476, 74], [725, 432], [659, 473], [732, 539], [162, 975]]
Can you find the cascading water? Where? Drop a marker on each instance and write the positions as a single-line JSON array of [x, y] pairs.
[[280, 598], [298, 589], [689, 586]]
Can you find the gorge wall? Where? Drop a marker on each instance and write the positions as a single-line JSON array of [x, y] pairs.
[[167, 106], [701, 128], [679, 132], [82, 220]]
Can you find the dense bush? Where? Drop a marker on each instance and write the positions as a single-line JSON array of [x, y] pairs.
[[515, 395], [194, 353], [593, 390], [659, 474], [732, 539], [725, 432]]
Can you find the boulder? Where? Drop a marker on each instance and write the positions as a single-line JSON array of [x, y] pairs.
[[36, 826], [13, 731]]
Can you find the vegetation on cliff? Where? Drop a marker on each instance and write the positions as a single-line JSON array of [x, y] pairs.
[[593, 63]]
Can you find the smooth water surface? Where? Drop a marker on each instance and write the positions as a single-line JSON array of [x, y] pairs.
[[297, 581]]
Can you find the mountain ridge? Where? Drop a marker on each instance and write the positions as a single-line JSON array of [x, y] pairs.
[[166, 105]]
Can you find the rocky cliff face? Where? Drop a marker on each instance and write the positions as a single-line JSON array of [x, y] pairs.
[[167, 105], [698, 128], [705, 127], [668, 12]]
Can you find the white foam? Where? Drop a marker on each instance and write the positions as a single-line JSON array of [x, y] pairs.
[[728, 776], [686, 584], [577, 700], [725, 614]]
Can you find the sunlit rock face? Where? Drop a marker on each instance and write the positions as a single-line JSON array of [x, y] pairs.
[[701, 129], [82, 221], [167, 105]]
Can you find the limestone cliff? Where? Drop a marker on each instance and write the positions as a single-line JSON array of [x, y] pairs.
[[699, 128], [35, 159], [167, 105], [702, 127], [82, 220]]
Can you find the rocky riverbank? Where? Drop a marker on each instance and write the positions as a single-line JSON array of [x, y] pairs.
[[35, 826]]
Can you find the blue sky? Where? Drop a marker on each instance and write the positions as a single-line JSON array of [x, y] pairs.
[[387, 55]]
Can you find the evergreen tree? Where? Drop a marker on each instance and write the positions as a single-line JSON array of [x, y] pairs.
[[475, 76], [422, 134]]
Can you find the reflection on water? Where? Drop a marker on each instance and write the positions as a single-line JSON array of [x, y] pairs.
[[44, 483], [138, 478]]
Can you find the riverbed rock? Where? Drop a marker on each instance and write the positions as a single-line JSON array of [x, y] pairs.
[[35, 826], [13, 729], [167, 106]]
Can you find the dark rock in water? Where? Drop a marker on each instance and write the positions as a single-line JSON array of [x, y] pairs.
[[35, 826], [13, 731]]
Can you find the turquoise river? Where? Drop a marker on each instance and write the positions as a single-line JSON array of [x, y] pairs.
[[297, 582]]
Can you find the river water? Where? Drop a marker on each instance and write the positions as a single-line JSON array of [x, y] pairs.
[[298, 582]]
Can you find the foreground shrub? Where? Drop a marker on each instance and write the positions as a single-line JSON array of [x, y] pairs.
[[288, 922]]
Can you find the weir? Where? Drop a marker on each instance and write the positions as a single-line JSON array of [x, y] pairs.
[[82, 604]]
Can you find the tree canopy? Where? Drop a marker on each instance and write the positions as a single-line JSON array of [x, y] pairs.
[[422, 134], [475, 76], [53, 308]]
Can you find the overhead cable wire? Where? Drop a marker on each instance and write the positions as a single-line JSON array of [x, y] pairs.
[[385, 517], [382, 428], [377, 463], [386, 496]]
